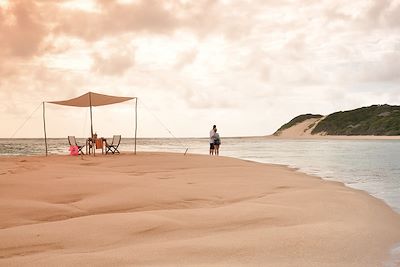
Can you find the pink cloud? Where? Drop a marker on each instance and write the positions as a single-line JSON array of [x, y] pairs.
[[22, 29], [114, 64]]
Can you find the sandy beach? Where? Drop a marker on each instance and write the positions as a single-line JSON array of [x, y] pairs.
[[161, 209]]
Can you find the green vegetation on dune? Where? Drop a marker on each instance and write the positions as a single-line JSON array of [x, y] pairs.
[[373, 120], [297, 120]]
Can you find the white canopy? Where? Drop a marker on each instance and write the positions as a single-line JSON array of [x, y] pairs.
[[92, 99]]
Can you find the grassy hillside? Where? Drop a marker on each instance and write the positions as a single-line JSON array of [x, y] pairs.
[[373, 120], [297, 120]]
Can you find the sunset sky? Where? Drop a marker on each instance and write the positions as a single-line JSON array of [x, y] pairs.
[[247, 66]]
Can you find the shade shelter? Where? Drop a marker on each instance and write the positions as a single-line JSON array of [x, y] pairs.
[[90, 100]]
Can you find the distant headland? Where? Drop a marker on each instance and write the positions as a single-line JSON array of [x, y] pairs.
[[375, 120]]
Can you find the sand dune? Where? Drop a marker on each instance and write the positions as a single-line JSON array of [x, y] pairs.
[[172, 210], [302, 129]]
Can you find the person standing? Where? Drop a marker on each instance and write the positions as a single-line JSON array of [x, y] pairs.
[[212, 133], [217, 142]]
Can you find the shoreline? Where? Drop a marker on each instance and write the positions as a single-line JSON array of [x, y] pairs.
[[333, 137], [294, 168], [307, 136], [191, 187]]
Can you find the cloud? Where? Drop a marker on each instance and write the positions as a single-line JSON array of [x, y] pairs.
[[186, 58], [267, 59], [21, 29], [114, 64], [387, 69], [113, 18]]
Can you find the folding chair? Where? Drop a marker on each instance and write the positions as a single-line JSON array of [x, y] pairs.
[[113, 147], [72, 142]]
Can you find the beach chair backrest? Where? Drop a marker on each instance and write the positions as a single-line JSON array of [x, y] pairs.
[[72, 140], [116, 139]]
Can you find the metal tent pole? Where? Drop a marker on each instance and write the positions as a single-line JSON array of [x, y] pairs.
[[91, 124], [91, 118], [44, 127], [135, 121]]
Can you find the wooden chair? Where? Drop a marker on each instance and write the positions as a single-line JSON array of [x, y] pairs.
[[113, 147], [72, 142]]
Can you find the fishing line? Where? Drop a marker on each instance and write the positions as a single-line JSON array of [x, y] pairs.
[[165, 127], [23, 124]]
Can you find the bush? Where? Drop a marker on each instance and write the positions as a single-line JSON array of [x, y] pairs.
[[373, 120]]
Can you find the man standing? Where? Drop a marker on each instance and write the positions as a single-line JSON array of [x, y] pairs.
[[212, 133]]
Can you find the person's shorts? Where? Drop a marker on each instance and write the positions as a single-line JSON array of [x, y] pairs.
[[211, 145]]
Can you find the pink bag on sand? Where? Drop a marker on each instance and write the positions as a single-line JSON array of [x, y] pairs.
[[73, 150]]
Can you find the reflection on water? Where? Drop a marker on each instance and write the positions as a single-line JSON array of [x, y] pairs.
[[370, 165]]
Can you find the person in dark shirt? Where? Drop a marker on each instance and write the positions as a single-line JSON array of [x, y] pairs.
[[217, 142]]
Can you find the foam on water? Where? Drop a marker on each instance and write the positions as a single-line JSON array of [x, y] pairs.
[[394, 260]]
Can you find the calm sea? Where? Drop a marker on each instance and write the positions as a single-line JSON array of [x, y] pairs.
[[369, 165]]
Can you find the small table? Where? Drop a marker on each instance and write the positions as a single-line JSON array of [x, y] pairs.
[[95, 143]]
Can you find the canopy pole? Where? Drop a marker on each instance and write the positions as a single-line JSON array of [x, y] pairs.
[[136, 101], [91, 118], [44, 127], [91, 123]]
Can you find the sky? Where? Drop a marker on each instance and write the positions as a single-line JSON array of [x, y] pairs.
[[246, 66]]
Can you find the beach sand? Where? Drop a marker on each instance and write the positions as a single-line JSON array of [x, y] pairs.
[[161, 209], [301, 129]]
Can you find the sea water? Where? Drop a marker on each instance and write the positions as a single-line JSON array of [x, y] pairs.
[[369, 165]]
